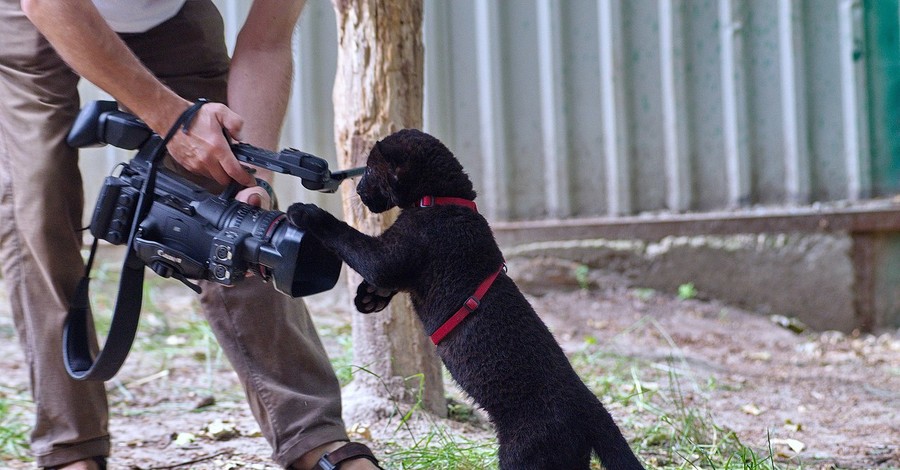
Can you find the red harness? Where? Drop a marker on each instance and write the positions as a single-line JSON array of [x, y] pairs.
[[474, 300]]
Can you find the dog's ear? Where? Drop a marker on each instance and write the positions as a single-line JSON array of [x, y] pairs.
[[394, 157]]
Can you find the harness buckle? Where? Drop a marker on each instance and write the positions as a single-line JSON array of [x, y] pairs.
[[471, 304]]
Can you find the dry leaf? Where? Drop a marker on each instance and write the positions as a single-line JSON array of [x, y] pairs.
[[360, 430], [751, 409], [219, 430], [184, 439], [794, 444], [762, 356], [203, 402], [792, 426], [789, 323]]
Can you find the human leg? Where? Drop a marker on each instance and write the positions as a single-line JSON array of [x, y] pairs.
[[290, 385], [268, 337], [41, 203]]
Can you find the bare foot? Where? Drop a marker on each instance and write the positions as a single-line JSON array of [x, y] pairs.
[[88, 464]]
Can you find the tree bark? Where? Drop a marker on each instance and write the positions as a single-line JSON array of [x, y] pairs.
[[378, 90]]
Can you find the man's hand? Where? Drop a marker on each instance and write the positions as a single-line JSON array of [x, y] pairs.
[[204, 149]]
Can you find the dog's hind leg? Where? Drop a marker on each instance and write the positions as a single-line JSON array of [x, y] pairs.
[[611, 446], [547, 453]]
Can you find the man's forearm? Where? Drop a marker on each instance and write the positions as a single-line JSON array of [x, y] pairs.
[[259, 86], [259, 83]]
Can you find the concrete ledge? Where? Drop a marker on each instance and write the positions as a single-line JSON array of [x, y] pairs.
[[831, 267], [873, 217]]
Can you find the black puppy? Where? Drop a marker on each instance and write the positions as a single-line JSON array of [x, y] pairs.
[[443, 253]]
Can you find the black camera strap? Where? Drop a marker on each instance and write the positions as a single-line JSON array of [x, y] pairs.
[[78, 332]]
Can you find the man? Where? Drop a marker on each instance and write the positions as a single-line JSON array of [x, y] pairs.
[[155, 57]]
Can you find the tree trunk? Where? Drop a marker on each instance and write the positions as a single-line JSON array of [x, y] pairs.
[[378, 90]]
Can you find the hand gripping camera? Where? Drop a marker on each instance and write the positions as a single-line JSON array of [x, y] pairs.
[[189, 233], [180, 230]]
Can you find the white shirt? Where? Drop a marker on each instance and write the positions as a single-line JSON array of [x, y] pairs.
[[137, 16]]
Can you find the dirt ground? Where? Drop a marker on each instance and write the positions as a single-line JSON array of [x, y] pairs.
[[839, 395], [836, 395]]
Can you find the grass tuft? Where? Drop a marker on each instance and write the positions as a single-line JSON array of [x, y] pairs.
[[661, 404], [442, 449], [13, 428]]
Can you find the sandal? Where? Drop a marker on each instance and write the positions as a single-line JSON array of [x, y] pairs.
[[99, 460], [349, 451]]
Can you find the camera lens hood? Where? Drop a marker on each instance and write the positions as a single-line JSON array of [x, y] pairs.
[[307, 267]]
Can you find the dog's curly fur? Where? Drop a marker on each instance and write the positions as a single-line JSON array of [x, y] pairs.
[[502, 355]]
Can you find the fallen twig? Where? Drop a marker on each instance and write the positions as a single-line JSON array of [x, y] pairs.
[[189, 462]]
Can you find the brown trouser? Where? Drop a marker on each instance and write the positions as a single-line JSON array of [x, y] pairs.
[[268, 337]]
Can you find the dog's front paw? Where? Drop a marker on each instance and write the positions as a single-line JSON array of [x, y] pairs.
[[304, 216], [371, 299]]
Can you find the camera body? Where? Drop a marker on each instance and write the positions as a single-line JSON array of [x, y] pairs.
[[190, 233]]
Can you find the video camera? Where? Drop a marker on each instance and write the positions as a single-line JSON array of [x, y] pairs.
[[189, 233]]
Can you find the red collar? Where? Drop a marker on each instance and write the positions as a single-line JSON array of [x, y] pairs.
[[428, 201], [468, 307]]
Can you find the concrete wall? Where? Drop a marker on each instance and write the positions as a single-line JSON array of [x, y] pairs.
[[806, 276]]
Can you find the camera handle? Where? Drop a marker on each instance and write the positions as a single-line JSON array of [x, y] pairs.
[[78, 337]]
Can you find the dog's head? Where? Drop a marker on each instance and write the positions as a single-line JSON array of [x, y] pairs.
[[407, 165]]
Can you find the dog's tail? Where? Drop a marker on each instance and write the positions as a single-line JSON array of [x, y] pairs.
[[610, 445]]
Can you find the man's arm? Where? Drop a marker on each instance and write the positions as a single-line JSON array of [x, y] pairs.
[[80, 35], [259, 83]]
